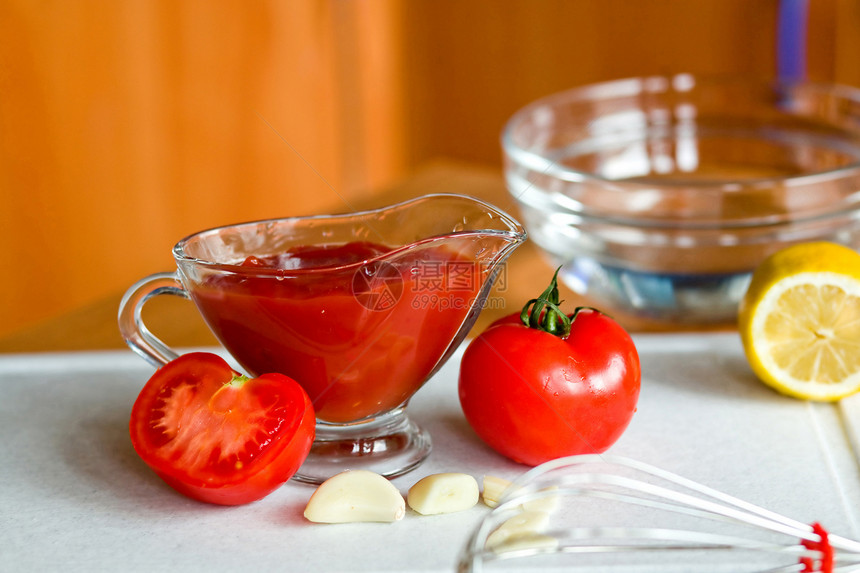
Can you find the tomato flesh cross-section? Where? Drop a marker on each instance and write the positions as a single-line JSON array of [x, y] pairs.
[[218, 436]]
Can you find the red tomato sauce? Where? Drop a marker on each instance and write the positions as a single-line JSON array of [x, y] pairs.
[[360, 338]]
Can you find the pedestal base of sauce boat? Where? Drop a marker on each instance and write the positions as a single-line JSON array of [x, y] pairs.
[[390, 445]]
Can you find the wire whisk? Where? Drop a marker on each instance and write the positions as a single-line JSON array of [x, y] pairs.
[[610, 513]]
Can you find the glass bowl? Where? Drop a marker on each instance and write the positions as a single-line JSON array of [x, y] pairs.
[[658, 196]]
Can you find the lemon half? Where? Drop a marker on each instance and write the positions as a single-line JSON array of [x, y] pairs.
[[800, 321]]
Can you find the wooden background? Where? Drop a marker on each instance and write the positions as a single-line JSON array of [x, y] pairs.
[[126, 125]]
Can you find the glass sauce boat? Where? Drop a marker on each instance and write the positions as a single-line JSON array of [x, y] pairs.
[[360, 309]]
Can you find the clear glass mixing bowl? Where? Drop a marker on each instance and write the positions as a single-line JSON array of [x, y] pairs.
[[660, 195]]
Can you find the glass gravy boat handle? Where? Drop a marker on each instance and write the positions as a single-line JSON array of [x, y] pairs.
[[131, 326]]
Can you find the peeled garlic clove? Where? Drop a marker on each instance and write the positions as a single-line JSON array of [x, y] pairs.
[[353, 496], [526, 541], [494, 487], [443, 493], [523, 525], [545, 502]]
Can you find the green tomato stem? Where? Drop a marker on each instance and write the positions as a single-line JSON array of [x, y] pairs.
[[543, 313], [237, 380]]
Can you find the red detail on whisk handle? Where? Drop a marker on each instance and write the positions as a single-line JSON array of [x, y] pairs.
[[825, 562]]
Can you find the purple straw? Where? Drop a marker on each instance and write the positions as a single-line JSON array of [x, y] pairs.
[[791, 39]]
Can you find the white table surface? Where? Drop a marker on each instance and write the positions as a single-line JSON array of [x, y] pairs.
[[75, 497]]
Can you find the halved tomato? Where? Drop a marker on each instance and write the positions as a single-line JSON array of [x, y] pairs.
[[217, 436]]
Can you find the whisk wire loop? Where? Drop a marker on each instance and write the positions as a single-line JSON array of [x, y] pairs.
[[608, 478]]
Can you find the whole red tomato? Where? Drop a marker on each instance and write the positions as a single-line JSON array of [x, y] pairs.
[[218, 436], [544, 385]]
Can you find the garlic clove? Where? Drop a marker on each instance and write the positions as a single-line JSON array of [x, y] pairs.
[[443, 493], [521, 531], [493, 489], [355, 496]]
